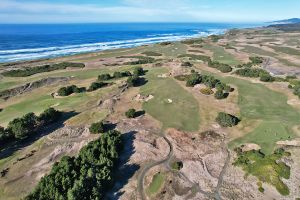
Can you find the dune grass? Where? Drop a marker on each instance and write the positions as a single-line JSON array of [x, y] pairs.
[[221, 55], [270, 108], [258, 51], [156, 184], [286, 50], [182, 113]]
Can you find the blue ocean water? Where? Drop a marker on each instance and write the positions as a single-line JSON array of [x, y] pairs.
[[27, 42]]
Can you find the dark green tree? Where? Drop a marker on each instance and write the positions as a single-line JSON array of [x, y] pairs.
[[130, 113]]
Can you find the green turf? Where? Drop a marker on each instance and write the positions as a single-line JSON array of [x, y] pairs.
[[182, 113], [156, 184], [38, 101], [276, 117], [221, 55]]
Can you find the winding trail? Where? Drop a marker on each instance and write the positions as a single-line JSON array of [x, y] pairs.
[[214, 195], [140, 185]]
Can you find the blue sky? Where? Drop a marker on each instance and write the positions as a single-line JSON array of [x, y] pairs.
[[80, 11]]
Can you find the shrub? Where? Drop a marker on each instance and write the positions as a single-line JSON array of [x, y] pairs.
[[206, 91], [121, 74], [227, 120], [104, 77], [141, 61], [49, 116], [256, 60], [130, 113], [220, 94], [66, 91], [132, 81], [186, 64], [22, 127], [138, 71], [225, 68], [193, 79], [249, 72], [96, 128], [177, 165], [96, 85], [266, 78]]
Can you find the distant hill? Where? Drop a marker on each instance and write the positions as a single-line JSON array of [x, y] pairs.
[[287, 21]]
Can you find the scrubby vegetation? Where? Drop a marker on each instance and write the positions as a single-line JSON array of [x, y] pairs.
[[220, 66], [116, 75], [208, 80], [66, 91], [141, 61], [21, 128], [255, 73], [227, 120], [216, 38], [295, 86], [177, 165], [40, 69], [97, 127], [254, 61], [206, 91], [138, 71], [186, 64], [267, 168], [96, 85], [131, 113], [88, 176]]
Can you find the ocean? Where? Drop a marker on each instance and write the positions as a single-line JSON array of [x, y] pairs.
[[37, 41]]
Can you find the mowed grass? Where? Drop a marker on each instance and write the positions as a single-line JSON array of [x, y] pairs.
[[270, 108], [220, 55], [173, 50], [156, 184], [182, 113]]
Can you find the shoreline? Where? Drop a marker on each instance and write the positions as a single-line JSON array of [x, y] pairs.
[[119, 45]]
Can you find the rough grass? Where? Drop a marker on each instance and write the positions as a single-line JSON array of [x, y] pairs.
[[286, 50], [172, 50], [182, 113], [258, 51], [87, 117], [156, 184], [221, 55], [276, 117]]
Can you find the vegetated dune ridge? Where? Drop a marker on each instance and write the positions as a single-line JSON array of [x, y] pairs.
[[215, 118]]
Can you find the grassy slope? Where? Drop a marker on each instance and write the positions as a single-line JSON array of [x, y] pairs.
[[221, 55], [260, 103], [182, 114]]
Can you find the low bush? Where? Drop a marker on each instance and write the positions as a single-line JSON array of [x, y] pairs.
[[138, 71], [97, 128], [66, 91], [96, 85], [186, 64], [133, 81], [206, 91], [141, 61], [227, 120], [131, 113]]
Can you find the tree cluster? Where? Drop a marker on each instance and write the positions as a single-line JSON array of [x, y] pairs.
[[21, 128], [220, 66], [227, 120], [40, 69], [251, 72], [88, 176]]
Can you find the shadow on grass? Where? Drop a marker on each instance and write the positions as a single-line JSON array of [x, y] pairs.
[[141, 81], [139, 113], [124, 171], [11, 147]]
